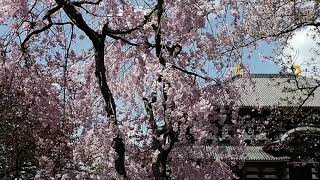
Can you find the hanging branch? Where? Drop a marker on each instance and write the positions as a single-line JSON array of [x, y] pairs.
[[65, 72], [188, 72], [38, 31]]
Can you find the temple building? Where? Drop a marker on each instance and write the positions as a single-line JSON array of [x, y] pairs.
[[279, 116]]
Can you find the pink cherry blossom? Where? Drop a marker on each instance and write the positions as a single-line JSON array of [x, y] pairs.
[[113, 87]]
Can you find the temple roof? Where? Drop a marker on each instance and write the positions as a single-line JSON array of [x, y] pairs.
[[297, 142], [247, 153], [281, 90]]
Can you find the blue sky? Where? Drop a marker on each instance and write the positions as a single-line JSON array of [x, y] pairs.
[[263, 67], [256, 65]]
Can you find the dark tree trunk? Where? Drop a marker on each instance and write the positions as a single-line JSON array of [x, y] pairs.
[[159, 168], [110, 106]]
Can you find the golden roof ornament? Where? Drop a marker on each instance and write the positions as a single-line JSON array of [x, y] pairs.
[[296, 70], [238, 70]]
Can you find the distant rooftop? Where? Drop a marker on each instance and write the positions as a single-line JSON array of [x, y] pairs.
[[248, 153], [279, 75], [281, 90]]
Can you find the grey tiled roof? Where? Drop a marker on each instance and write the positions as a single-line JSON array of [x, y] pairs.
[[277, 90], [247, 153]]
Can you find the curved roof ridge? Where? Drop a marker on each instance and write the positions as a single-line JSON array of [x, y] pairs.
[[273, 75]]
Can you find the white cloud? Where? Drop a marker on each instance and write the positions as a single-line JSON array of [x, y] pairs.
[[302, 49]]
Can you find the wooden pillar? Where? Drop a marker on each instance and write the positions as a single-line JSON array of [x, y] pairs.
[[283, 171], [298, 172]]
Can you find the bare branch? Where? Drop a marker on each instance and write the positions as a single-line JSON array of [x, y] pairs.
[[38, 31], [148, 107], [188, 72], [106, 30], [157, 29], [80, 3], [123, 40], [65, 71], [78, 20]]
